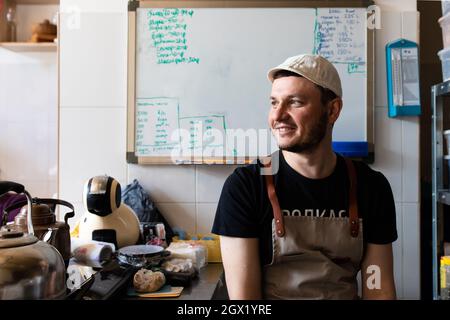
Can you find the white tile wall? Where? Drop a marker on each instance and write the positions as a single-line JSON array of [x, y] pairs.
[[180, 214], [98, 6], [391, 29], [102, 67], [28, 115], [410, 25], [26, 147], [398, 149], [166, 183], [210, 180], [205, 216], [410, 159], [91, 143], [187, 196], [28, 110], [388, 150], [397, 247], [397, 5], [411, 256]]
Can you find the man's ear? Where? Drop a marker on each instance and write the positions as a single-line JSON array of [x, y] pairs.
[[334, 110]]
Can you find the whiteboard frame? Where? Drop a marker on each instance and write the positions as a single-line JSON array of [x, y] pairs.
[[131, 76]]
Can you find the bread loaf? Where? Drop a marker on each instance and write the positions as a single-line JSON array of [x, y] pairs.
[[148, 281]]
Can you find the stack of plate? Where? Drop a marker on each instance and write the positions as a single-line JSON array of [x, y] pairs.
[[444, 54]]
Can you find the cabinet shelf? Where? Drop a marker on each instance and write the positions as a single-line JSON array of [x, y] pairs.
[[29, 46], [444, 197], [36, 1], [440, 194], [443, 89]]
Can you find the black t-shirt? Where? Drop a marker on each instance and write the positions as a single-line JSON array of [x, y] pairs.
[[244, 208]]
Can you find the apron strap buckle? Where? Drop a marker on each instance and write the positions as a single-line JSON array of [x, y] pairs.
[[278, 216]]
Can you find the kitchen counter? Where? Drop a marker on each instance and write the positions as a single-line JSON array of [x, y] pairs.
[[205, 286], [208, 285]]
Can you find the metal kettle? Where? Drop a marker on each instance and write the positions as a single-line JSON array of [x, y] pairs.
[[46, 228], [29, 268]]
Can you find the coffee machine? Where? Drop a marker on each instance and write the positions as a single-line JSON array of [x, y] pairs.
[[107, 218]]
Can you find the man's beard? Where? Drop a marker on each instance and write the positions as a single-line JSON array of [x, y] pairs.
[[312, 138]]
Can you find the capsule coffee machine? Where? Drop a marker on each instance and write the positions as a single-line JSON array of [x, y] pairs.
[[106, 218]]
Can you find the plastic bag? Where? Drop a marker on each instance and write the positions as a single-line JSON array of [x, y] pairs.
[[139, 200], [7, 200]]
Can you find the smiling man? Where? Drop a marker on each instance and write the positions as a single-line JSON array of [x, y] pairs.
[[306, 231]]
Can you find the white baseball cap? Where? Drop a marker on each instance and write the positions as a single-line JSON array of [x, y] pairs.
[[314, 68]]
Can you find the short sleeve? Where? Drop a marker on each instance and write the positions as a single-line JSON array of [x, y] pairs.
[[235, 214], [382, 225]]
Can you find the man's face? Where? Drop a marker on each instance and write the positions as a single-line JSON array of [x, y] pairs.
[[297, 117]]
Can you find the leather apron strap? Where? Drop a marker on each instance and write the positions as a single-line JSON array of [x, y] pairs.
[[353, 204], [277, 215]]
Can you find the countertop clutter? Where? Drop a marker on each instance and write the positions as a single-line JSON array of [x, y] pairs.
[[141, 272], [115, 282], [99, 260]]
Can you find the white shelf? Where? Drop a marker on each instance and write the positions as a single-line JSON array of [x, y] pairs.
[[444, 197], [36, 1], [29, 46]]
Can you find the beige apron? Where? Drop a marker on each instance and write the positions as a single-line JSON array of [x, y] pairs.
[[314, 257]]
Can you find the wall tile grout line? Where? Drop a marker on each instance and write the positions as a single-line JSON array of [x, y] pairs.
[[195, 197], [93, 107], [402, 253]]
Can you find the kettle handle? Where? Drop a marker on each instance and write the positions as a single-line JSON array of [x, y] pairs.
[[54, 202], [6, 186]]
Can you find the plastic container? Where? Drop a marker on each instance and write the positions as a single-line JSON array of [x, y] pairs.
[[445, 277], [445, 7], [444, 55], [213, 245], [447, 141], [444, 22], [447, 163]]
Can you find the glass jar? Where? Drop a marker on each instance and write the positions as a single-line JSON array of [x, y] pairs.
[[11, 27]]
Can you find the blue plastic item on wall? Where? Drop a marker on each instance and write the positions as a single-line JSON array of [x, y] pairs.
[[402, 73], [352, 149]]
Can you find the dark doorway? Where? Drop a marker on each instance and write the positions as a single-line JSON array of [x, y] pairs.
[[430, 74]]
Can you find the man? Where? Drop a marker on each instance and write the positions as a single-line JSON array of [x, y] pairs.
[[306, 231]]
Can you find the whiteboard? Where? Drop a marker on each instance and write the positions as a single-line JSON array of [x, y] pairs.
[[201, 87]]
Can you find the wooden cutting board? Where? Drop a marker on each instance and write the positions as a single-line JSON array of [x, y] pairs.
[[166, 291]]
